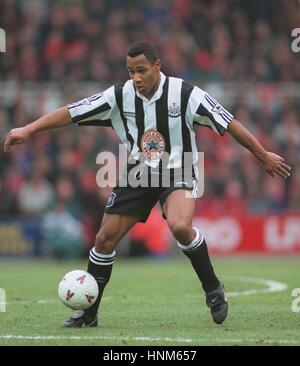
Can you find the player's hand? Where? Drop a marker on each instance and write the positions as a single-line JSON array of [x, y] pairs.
[[16, 136], [276, 166]]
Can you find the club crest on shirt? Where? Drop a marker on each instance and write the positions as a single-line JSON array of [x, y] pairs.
[[152, 144], [174, 110]]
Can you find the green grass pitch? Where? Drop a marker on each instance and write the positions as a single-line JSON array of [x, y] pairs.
[[157, 303]]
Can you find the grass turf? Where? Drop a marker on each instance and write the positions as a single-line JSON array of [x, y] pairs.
[[157, 303]]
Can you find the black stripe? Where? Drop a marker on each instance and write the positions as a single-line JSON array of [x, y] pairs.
[[95, 97], [162, 121], [202, 111], [119, 101], [108, 260], [102, 108], [102, 264], [194, 249], [213, 100], [225, 114], [186, 90], [101, 261], [140, 119], [212, 103], [225, 118], [100, 256], [95, 122], [74, 105]]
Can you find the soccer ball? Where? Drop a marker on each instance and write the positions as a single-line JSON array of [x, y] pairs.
[[78, 290]]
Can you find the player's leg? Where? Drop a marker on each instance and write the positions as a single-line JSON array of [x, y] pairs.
[[179, 211], [113, 228], [101, 258]]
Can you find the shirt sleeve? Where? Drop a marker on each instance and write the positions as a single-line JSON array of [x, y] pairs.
[[206, 111], [92, 111]]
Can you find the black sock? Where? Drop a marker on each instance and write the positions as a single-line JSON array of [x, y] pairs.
[[100, 266], [197, 253]]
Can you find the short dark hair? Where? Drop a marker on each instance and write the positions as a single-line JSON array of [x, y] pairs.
[[145, 48]]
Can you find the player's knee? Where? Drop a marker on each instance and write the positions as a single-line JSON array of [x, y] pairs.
[[105, 242], [181, 231]]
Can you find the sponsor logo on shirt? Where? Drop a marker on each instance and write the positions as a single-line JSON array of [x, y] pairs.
[[129, 114]]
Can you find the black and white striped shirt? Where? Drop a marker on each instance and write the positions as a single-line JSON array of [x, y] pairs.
[[170, 116]]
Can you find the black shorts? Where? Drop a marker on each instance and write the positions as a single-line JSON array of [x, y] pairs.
[[139, 201]]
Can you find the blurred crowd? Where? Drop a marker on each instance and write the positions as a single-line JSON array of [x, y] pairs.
[[208, 40], [60, 51]]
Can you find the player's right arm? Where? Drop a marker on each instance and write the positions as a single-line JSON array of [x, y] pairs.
[[58, 118]]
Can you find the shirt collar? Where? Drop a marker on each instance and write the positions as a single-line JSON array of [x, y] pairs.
[[158, 92]]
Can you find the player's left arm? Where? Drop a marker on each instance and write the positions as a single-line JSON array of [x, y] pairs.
[[273, 164]]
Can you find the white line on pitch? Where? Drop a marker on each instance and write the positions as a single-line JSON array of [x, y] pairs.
[[155, 339], [272, 286]]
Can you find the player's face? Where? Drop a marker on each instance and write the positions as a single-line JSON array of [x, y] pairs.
[[145, 75]]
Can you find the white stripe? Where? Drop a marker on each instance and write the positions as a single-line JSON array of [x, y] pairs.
[[110, 96], [192, 106], [100, 255], [129, 106], [100, 263], [194, 244], [152, 339], [195, 189], [99, 258], [192, 249], [175, 128], [115, 117]]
